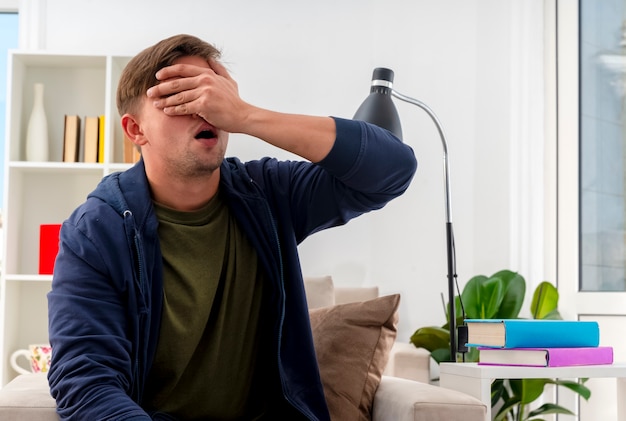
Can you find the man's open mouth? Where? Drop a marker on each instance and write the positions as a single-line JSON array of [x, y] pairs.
[[206, 134]]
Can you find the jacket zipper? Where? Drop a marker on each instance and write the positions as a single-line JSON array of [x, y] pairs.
[[138, 373]]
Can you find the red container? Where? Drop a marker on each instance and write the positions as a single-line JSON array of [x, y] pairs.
[[48, 247]]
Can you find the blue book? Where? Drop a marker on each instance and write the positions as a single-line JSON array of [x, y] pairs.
[[532, 333]]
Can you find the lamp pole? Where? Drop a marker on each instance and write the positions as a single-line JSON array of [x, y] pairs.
[[379, 109]]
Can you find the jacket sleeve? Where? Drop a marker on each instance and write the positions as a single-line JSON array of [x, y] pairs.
[[366, 168], [91, 371], [371, 160]]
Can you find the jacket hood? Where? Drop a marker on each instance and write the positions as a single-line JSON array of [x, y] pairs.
[[126, 191]]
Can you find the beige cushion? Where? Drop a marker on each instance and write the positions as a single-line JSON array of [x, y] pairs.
[[352, 342], [320, 291], [353, 294]]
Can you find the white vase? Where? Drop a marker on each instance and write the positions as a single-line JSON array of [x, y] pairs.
[[37, 132]]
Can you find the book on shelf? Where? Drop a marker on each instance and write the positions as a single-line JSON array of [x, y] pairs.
[[71, 138], [532, 333], [91, 139], [101, 139], [546, 357]]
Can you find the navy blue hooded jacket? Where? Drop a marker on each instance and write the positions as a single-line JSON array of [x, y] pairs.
[[106, 298]]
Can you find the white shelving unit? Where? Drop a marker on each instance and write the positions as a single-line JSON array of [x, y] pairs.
[[38, 193]]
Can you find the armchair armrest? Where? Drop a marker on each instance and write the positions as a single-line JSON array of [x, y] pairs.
[[27, 397], [406, 400]]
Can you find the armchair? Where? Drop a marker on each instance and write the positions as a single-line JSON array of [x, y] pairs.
[[403, 393]]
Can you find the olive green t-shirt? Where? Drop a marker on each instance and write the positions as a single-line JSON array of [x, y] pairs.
[[208, 349]]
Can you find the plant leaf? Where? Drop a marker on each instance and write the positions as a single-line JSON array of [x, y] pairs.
[[472, 355], [549, 408], [482, 297], [497, 391], [574, 386], [459, 314], [553, 315], [532, 389], [516, 386], [492, 292], [471, 296], [545, 300], [514, 291], [441, 354], [507, 408], [431, 338]]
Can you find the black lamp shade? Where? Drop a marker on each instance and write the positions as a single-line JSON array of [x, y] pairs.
[[378, 108]]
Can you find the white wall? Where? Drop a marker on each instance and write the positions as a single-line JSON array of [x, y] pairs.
[[316, 57]]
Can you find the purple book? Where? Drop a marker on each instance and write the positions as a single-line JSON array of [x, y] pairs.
[[546, 357]]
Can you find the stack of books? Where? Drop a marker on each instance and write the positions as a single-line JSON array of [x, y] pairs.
[[537, 343], [83, 143]]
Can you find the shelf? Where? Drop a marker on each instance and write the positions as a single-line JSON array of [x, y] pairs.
[[28, 278], [54, 60], [57, 167], [38, 193]]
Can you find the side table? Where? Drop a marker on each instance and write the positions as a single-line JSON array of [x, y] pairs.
[[475, 379]]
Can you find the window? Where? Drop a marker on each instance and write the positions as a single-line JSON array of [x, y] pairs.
[[602, 145], [8, 40]]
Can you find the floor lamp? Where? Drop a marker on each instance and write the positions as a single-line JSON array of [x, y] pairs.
[[379, 109]]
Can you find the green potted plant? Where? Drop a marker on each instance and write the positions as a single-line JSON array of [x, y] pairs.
[[501, 296]]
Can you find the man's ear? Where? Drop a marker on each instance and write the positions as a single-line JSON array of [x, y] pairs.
[[132, 129]]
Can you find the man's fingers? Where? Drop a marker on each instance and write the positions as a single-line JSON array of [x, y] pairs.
[[178, 71], [177, 103], [166, 88], [177, 78], [177, 110]]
